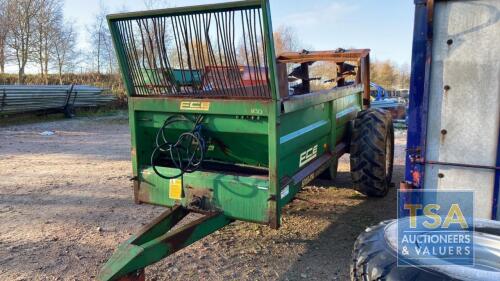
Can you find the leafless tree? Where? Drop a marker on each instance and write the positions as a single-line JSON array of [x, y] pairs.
[[65, 54], [389, 75], [100, 39], [4, 30], [285, 40], [155, 4], [48, 22], [404, 76], [21, 15]]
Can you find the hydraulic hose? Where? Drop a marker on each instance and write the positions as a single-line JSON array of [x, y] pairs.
[[186, 154]]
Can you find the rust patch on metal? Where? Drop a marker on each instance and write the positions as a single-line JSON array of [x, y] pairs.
[[416, 177], [201, 200], [443, 135], [339, 56], [272, 214], [137, 187]]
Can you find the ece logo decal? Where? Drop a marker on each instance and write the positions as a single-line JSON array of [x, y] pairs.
[[308, 155], [195, 105]]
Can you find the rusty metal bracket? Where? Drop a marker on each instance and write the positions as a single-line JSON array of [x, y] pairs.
[[360, 56], [136, 187]]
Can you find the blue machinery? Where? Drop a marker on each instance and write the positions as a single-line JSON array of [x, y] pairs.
[[381, 92], [419, 107]]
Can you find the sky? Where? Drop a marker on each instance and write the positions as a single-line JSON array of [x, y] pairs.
[[384, 26]]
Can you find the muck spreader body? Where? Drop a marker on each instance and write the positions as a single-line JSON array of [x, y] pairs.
[[223, 127]]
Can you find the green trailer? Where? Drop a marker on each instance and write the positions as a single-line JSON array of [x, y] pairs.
[[153, 78], [234, 149]]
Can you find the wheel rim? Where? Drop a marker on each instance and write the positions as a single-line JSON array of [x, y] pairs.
[[485, 247]]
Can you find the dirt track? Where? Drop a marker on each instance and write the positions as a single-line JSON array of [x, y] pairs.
[[66, 203]]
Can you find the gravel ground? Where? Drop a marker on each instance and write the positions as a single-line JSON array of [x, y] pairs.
[[66, 203]]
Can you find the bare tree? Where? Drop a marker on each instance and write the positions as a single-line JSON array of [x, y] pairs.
[[21, 15], [48, 22], [65, 54], [326, 72], [155, 4], [404, 76], [100, 38], [285, 40], [389, 75], [4, 30], [96, 31]]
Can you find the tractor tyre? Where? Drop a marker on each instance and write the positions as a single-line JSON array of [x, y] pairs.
[[374, 257], [372, 152]]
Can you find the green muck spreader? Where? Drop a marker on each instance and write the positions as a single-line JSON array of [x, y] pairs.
[[224, 128]]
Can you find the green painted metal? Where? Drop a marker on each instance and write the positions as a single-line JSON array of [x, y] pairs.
[[238, 197], [274, 122], [199, 9], [255, 108], [276, 145], [157, 241], [182, 77]]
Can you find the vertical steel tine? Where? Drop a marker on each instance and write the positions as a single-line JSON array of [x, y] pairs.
[[264, 51], [186, 54], [259, 73], [191, 57], [213, 58], [136, 55], [145, 54], [170, 77], [219, 51], [130, 62], [245, 42], [156, 30], [252, 50], [229, 31], [178, 48], [152, 56]]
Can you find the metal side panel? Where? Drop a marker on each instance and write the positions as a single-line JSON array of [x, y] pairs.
[[464, 105]]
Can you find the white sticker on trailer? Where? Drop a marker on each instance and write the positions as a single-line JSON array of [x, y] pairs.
[[285, 191]]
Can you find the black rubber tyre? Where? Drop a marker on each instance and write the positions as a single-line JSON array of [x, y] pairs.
[[372, 152], [330, 173], [373, 258]]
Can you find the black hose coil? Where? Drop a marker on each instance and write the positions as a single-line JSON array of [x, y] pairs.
[[187, 153]]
